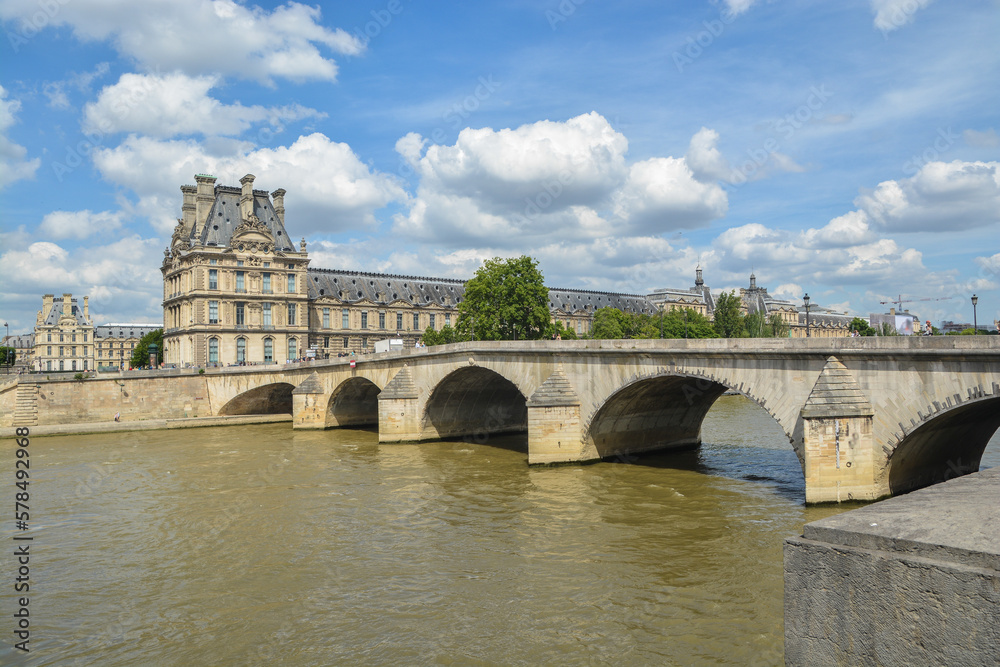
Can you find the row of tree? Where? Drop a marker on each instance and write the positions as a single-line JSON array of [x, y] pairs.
[[507, 300]]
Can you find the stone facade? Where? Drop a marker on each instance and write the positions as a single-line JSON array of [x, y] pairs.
[[64, 335], [115, 343], [237, 291]]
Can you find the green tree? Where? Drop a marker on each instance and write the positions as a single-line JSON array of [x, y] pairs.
[[755, 325], [8, 355], [778, 326], [443, 337], [886, 329], [505, 300], [862, 327], [684, 323], [140, 355], [728, 319], [608, 323]]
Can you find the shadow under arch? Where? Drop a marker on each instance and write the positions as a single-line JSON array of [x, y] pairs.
[[475, 401], [353, 403], [268, 399], [947, 445], [659, 413]]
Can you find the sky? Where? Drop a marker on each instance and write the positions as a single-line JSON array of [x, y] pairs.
[[846, 149]]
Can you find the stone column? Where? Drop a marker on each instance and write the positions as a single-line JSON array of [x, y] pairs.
[[555, 430], [309, 404], [399, 409], [838, 441]]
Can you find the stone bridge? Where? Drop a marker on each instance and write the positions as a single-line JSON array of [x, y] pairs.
[[867, 417]]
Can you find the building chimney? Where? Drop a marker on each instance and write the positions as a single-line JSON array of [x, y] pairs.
[[279, 204], [47, 306], [892, 311], [246, 197], [68, 304], [86, 308], [189, 209], [204, 199]]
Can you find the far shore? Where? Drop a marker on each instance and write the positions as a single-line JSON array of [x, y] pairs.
[[143, 425]]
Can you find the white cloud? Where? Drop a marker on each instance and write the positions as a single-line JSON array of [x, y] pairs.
[[79, 224], [847, 230], [893, 14], [329, 188], [704, 159], [990, 265], [55, 91], [13, 166], [737, 7], [941, 197], [203, 36], [175, 104], [985, 139], [545, 181], [122, 277]]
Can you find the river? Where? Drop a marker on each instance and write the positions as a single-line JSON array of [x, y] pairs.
[[257, 545]]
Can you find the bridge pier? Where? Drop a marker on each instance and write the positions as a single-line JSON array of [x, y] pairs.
[[399, 409], [555, 430], [309, 404], [838, 440]]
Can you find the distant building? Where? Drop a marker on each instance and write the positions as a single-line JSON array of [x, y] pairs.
[[24, 350], [698, 298], [114, 343], [64, 335]]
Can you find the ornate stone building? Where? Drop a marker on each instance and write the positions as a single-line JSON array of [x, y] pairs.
[[64, 335], [114, 343], [236, 290]]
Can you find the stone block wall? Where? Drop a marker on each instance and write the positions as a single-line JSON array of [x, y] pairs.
[[98, 399]]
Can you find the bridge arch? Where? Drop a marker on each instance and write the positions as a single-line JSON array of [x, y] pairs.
[[474, 401], [353, 403], [269, 399], [947, 444], [663, 411]]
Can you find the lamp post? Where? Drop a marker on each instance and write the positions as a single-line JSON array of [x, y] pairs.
[[6, 352], [805, 301], [975, 324]]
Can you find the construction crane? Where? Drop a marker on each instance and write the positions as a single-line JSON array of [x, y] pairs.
[[900, 300]]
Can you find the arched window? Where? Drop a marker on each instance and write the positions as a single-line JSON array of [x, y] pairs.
[[268, 350], [213, 350], [292, 349], [241, 350]]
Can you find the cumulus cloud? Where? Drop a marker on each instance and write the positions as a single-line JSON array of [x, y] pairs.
[[704, 159], [79, 224], [329, 188], [942, 197], [203, 36], [13, 166], [847, 230], [565, 179], [893, 14], [175, 104], [121, 277], [737, 7], [990, 265]]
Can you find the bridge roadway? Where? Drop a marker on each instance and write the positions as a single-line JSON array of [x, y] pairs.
[[867, 417]]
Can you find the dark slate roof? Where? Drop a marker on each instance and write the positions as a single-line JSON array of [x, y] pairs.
[[124, 330], [51, 318], [447, 292], [361, 285], [20, 340], [224, 218]]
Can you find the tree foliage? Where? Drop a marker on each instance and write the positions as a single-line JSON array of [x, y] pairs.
[[505, 300], [443, 337], [613, 323], [140, 355], [862, 327], [8, 355], [728, 318]]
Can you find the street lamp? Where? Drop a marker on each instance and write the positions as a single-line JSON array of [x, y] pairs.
[[975, 325], [6, 352], [805, 301]]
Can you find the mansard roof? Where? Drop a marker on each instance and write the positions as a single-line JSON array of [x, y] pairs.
[[448, 292], [224, 218], [124, 330], [51, 318]]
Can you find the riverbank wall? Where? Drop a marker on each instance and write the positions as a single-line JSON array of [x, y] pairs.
[[913, 580]]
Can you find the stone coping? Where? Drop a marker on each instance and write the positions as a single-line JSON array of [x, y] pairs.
[[956, 521], [144, 425]]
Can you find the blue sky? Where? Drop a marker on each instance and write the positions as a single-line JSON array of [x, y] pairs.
[[846, 149]]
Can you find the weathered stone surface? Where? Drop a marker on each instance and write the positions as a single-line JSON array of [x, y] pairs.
[[312, 385], [401, 386], [556, 390], [913, 580], [836, 394]]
